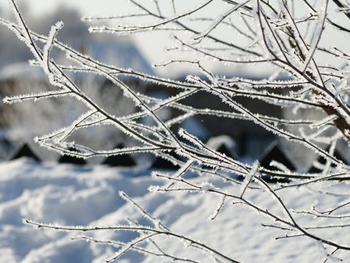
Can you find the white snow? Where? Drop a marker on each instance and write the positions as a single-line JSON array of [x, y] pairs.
[[22, 69], [88, 195]]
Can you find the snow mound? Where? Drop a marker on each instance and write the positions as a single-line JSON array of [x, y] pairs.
[[65, 194]]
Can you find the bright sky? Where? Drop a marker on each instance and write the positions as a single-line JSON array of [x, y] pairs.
[[153, 48], [86, 7]]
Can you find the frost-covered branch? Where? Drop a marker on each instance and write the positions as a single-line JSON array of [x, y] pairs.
[[146, 234], [280, 39]]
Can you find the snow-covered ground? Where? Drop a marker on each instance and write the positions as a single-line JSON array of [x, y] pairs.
[[65, 194]]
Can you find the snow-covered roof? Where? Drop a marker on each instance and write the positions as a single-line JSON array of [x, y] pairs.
[[216, 142], [22, 70], [122, 54]]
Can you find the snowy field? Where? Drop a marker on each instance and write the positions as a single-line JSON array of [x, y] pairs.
[[65, 194]]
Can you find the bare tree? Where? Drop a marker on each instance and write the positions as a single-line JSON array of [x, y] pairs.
[[310, 74]]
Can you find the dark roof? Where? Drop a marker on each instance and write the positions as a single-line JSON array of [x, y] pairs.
[[119, 160], [322, 161], [274, 153], [25, 151], [71, 159], [162, 163]]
